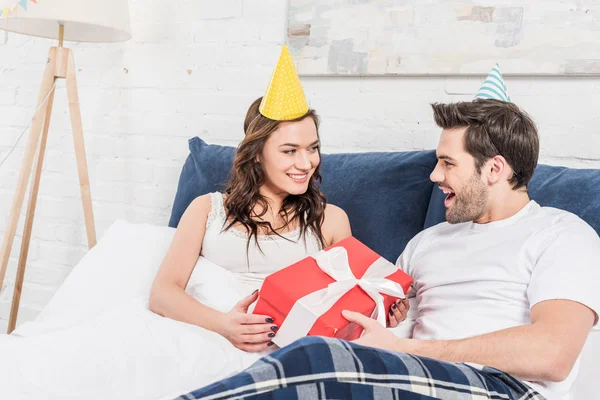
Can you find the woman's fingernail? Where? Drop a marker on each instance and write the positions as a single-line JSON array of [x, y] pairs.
[[271, 335], [253, 293], [270, 344], [269, 320], [391, 312], [394, 306], [274, 328]]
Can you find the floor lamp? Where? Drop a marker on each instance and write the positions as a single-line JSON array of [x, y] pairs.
[[71, 20]]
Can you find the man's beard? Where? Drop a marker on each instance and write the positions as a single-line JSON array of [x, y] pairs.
[[469, 204]]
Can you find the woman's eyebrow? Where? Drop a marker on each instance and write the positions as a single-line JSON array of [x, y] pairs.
[[297, 145]]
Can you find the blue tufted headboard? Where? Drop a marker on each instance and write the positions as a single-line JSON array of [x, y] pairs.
[[388, 196]]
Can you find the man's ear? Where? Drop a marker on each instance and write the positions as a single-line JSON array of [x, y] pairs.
[[498, 169]]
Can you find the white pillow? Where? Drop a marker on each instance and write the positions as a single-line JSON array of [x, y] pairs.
[[585, 386], [216, 287], [121, 267]]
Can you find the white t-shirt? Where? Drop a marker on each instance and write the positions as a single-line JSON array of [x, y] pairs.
[[471, 279]]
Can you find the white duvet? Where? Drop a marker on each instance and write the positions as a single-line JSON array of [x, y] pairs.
[[98, 340], [128, 353]]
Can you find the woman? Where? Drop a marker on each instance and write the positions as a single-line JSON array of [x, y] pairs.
[[271, 215]]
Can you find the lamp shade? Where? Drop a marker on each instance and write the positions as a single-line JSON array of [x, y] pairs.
[[84, 20]]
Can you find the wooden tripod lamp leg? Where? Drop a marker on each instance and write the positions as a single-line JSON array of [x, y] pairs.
[[30, 213], [25, 172], [60, 65], [84, 181]]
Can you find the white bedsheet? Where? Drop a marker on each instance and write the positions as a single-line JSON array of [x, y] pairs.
[[126, 352]]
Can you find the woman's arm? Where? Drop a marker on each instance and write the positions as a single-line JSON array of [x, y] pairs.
[[336, 225], [168, 296]]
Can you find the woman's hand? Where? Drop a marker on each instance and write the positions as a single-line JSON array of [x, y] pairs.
[[398, 312], [248, 332]]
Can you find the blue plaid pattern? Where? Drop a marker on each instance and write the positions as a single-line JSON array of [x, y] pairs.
[[323, 368]]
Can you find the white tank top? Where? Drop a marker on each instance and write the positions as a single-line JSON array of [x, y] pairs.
[[227, 249]]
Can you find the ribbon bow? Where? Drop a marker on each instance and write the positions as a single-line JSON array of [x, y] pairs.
[[334, 262]]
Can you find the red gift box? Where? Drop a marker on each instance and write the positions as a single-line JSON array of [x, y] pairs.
[[305, 289]]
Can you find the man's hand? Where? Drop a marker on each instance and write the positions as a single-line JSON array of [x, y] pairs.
[[374, 335]]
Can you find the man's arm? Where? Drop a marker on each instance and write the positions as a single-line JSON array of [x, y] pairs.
[[546, 349]]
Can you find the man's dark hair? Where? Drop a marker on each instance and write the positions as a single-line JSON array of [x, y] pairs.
[[494, 127]]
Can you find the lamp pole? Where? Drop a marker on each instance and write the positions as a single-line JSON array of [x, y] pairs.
[[60, 65]]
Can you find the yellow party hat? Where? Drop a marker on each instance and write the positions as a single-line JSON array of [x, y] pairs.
[[284, 99]]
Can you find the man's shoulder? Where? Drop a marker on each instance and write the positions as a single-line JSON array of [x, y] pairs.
[[557, 219], [559, 230]]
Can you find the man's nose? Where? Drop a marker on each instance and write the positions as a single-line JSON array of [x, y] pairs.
[[437, 175]]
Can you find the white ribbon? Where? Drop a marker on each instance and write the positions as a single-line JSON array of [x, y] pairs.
[[334, 262]]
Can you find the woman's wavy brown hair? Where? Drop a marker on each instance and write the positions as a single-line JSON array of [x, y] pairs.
[[247, 176]]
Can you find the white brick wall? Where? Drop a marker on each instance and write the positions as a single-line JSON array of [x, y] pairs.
[[192, 68]]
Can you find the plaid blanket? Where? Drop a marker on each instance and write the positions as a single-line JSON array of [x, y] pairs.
[[322, 368]]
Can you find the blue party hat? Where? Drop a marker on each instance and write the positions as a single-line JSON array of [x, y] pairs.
[[493, 87]]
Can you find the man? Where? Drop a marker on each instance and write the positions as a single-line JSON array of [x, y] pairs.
[[503, 283]]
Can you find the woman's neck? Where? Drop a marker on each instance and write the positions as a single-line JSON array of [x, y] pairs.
[[273, 212], [274, 200]]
